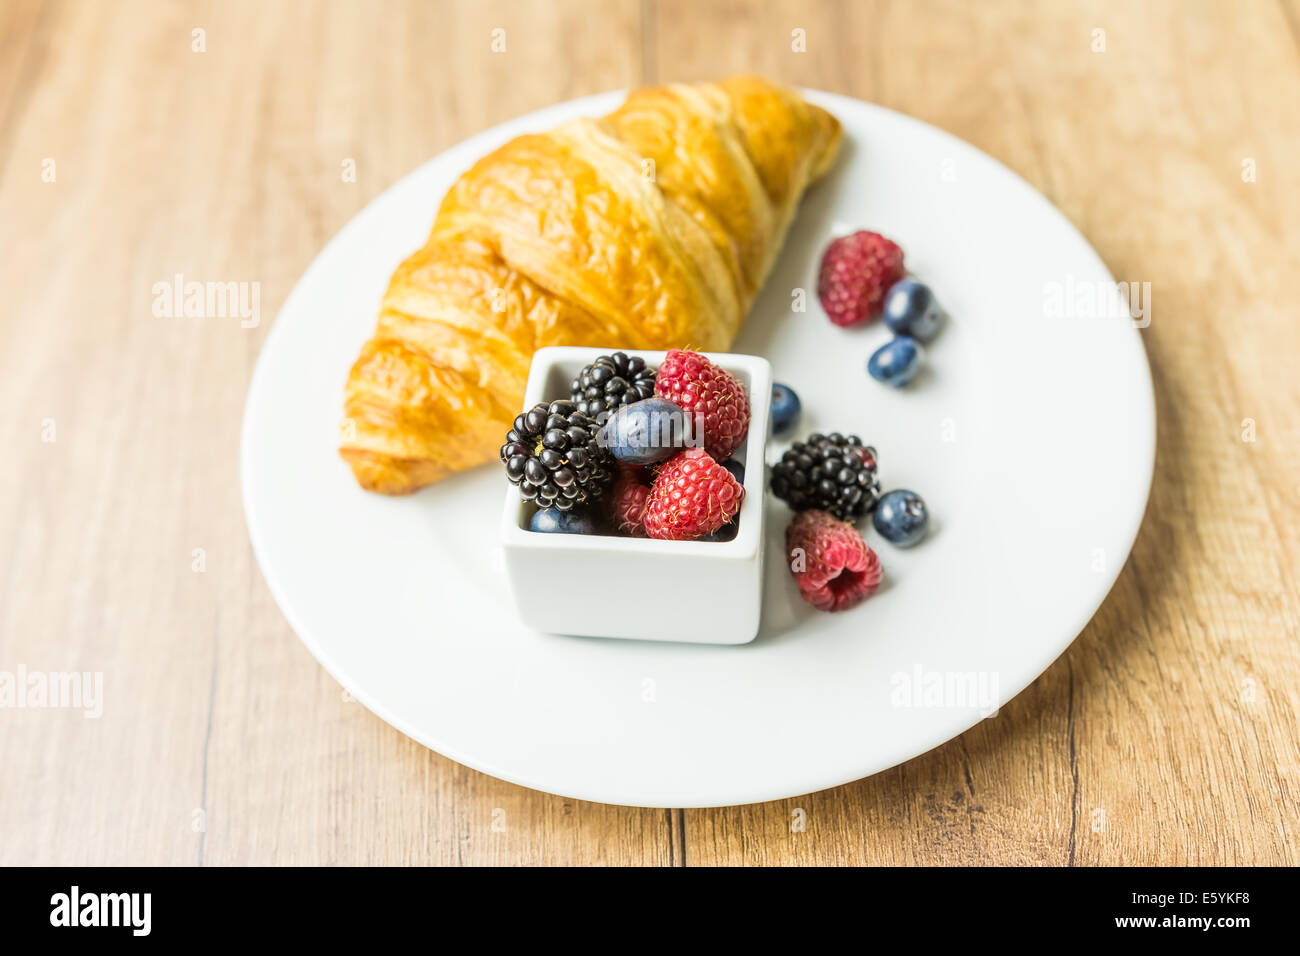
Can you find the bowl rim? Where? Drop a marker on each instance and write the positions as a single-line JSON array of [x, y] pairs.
[[749, 539]]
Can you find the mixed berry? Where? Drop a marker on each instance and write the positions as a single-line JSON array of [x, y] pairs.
[[856, 272], [896, 362], [653, 451], [910, 309], [693, 496], [709, 395], [555, 521], [625, 503], [553, 456], [862, 277], [786, 409], [834, 473], [647, 432], [643, 452], [611, 381], [830, 480], [901, 518], [832, 566]]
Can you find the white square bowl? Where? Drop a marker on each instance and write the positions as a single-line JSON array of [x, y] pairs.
[[697, 592]]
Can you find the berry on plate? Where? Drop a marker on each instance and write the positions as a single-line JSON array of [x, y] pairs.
[[709, 395], [856, 272], [834, 473], [646, 432], [552, 454], [901, 518], [626, 503], [911, 309], [832, 566], [611, 381], [785, 409], [896, 362], [692, 496], [555, 521]]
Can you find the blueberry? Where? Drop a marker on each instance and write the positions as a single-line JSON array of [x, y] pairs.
[[646, 432], [785, 409], [736, 468], [896, 362], [911, 309], [726, 533], [555, 521], [901, 517]]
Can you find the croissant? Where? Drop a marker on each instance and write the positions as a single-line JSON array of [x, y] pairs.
[[651, 228]]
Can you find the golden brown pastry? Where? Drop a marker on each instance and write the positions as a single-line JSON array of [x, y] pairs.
[[652, 228]]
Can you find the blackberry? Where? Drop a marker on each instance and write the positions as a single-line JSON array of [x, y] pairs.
[[832, 472], [611, 381], [552, 454]]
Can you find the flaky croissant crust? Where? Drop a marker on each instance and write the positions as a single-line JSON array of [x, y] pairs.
[[650, 228]]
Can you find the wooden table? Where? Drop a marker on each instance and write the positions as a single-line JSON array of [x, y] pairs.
[[133, 148]]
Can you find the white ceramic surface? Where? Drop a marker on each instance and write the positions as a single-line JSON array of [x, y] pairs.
[[688, 574], [1031, 435]]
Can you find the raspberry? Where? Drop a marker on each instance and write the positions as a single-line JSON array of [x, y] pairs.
[[626, 504], [625, 471], [831, 564], [701, 388], [856, 272], [692, 496]]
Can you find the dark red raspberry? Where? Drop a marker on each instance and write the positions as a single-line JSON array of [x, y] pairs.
[[701, 388], [626, 503], [856, 273], [831, 564], [623, 471], [692, 496]]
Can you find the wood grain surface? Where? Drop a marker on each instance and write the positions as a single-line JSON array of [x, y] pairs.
[[1166, 734]]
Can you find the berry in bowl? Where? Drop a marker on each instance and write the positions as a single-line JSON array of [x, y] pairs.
[[626, 476]]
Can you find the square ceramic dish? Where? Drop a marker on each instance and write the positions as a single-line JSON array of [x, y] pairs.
[[698, 592]]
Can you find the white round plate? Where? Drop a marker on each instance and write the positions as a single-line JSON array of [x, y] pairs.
[[1031, 436]]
